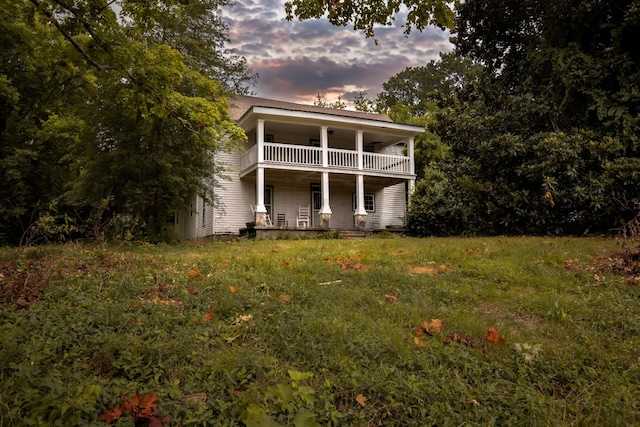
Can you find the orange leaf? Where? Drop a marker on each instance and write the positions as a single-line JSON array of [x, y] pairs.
[[111, 415], [147, 403], [287, 264], [284, 297], [391, 298], [434, 327], [235, 289], [362, 400], [418, 341], [494, 338], [194, 273], [209, 316]]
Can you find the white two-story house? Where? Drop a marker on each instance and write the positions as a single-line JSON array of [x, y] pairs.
[[351, 170]]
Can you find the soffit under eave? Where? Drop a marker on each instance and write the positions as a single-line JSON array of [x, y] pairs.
[[250, 119]]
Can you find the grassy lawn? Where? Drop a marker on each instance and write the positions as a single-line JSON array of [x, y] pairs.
[[374, 332]]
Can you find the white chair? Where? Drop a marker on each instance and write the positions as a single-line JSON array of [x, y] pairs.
[[267, 216], [302, 220]]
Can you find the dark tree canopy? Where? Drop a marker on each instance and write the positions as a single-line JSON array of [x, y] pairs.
[[547, 140], [364, 15], [114, 106]]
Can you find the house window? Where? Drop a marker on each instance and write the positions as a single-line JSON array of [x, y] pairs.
[[204, 216], [369, 202]]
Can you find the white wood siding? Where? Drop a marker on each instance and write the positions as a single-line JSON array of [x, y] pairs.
[[392, 205], [234, 197]]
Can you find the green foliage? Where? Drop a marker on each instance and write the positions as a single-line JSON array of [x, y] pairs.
[[364, 15], [128, 108], [302, 333], [545, 141], [422, 88]]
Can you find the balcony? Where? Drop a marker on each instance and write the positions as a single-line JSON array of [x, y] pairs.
[[289, 156]]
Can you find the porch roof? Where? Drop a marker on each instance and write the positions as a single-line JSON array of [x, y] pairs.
[[241, 107]]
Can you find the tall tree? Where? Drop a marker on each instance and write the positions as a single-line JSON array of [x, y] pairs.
[[547, 140], [104, 101], [419, 88]]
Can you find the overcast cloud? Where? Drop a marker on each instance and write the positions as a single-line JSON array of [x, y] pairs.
[[297, 60]]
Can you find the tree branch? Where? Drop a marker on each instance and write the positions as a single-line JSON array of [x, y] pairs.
[[71, 40]]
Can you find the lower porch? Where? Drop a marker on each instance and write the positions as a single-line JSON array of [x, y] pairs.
[[286, 194]]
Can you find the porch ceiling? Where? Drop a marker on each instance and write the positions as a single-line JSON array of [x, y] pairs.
[[372, 136], [286, 176]]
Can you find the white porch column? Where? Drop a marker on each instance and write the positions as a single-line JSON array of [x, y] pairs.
[[412, 166], [360, 215], [260, 140], [324, 144], [261, 209], [325, 209], [410, 149]]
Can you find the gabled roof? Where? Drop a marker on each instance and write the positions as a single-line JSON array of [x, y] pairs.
[[240, 104]]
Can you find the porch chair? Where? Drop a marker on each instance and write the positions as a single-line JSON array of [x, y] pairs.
[[267, 217], [282, 222], [303, 216]]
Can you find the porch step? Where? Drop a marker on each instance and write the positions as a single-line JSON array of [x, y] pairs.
[[351, 234]]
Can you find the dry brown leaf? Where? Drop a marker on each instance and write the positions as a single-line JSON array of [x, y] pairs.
[[194, 273], [362, 400], [391, 298], [456, 337], [429, 269], [209, 316], [433, 327], [235, 289], [494, 337]]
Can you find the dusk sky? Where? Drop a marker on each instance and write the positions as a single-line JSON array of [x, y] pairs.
[[297, 60]]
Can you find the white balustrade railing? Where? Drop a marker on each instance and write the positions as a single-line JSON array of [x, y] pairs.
[[343, 159], [292, 154], [299, 155], [386, 163]]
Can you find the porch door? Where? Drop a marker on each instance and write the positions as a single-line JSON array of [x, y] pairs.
[[316, 204]]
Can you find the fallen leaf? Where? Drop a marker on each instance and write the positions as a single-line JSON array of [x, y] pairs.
[[284, 297], [418, 341], [456, 337], [287, 264], [391, 298], [433, 327], [209, 316], [113, 414], [362, 400], [243, 318], [429, 269], [280, 296], [194, 273], [235, 289], [494, 337]]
